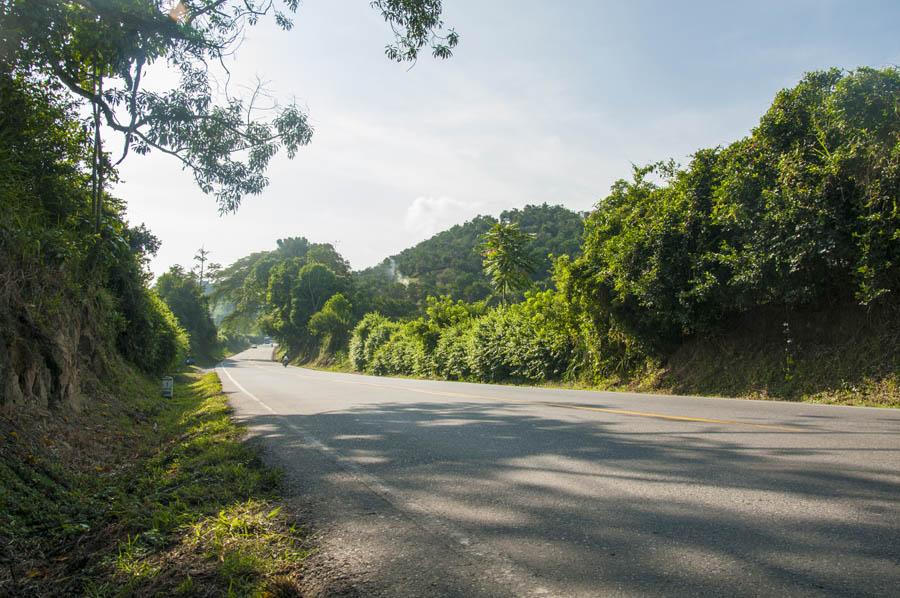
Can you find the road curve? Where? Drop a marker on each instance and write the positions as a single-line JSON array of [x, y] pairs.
[[441, 488]]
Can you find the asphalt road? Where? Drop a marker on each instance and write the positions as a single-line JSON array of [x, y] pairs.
[[439, 488]]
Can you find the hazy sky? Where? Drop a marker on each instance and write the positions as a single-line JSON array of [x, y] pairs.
[[542, 102]]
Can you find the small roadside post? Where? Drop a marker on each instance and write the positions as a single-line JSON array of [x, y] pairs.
[[168, 386]]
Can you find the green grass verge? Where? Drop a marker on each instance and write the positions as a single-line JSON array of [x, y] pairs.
[[147, 496], [846, 356]]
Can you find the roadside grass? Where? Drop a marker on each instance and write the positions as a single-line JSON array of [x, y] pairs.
[[836, 356], [338, 367], [338, 362], [149, 497]]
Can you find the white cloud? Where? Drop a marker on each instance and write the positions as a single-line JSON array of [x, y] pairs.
[[426, 216]]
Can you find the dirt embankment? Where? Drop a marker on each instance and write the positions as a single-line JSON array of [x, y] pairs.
[[842, 355], [49, 340]]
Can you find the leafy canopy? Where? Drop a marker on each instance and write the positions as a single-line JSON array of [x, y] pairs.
[[100, 50], [183, 293], [450, 262]]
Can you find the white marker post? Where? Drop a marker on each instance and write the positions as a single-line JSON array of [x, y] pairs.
[[168, 386]]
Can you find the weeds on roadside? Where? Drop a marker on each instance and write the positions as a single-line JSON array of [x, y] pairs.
[[192, 513]]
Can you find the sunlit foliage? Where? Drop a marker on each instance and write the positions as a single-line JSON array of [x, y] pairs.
[[801, 214]]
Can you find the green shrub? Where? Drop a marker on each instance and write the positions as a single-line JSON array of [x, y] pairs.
[[79, 265], [331, 324], [451, 355], [529, 341], [369, 334], [801, 213], [183, 293], [404, 353], [165, 342]]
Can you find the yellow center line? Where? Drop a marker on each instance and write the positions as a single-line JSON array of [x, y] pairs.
[[628, 412], [686, 418]]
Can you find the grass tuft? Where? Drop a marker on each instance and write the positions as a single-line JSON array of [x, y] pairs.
[[161, 499]]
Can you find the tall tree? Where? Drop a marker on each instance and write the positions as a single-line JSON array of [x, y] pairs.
[[332, 323], [507, 259], [185, 297], [201, 257], [100, 51]]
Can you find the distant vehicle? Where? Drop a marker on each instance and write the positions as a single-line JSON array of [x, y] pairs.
[[189, 360], [253, 346]]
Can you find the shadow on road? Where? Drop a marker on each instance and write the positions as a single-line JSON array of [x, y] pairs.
[[587, 504]]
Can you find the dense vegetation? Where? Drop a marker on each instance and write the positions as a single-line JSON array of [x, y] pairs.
[[304, 295], [800, 218], [773, 242], [301, 293], [105, 488], [71, 293], [184, 294], [72, 75], [450, 262]]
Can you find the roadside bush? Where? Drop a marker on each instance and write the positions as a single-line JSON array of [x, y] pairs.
[[331, 324], [78, 276], [370, 333], [184, 295], [164, 342], [801, 213], [443, 312], [528, 341], [358, 340], [405, 352], [552, 343], [799, 216], [451, 356]]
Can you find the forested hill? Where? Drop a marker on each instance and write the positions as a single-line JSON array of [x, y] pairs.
[[450, 263]]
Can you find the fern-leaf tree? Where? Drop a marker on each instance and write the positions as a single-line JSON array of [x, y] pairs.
[[507, 259]]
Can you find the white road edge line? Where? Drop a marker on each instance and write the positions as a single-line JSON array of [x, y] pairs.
[[418, 516], [374, 483]]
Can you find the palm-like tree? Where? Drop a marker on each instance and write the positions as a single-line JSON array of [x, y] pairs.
[[201, 258], [506, 259]]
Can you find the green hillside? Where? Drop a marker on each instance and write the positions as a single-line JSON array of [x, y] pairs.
[[449, 263]]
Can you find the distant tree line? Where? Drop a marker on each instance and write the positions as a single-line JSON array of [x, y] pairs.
[[305, 296]]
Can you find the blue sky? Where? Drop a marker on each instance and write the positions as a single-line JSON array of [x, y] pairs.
[[542, 102]]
